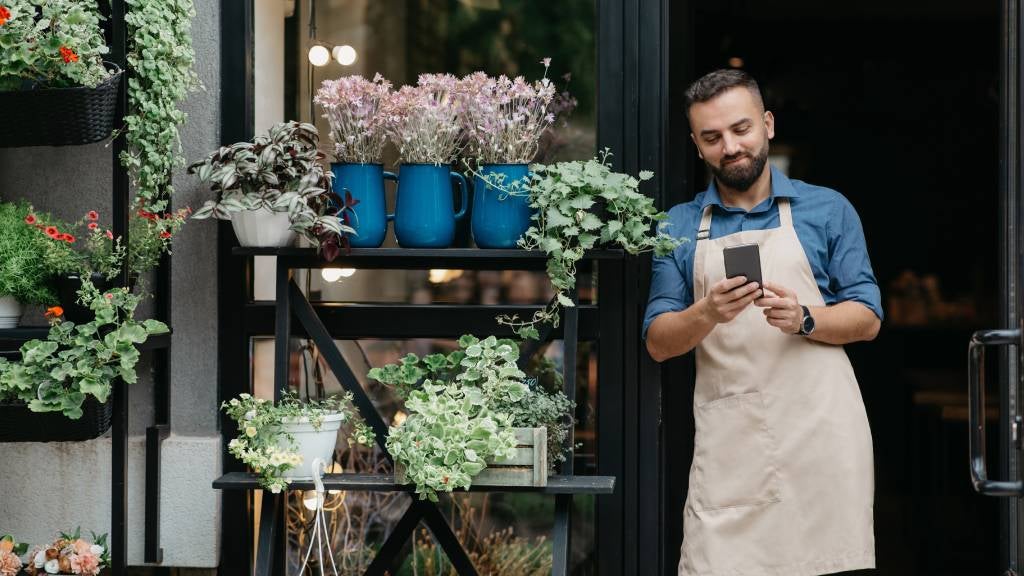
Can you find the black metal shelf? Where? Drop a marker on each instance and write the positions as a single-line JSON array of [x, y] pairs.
[[386, 483], [422, 258]]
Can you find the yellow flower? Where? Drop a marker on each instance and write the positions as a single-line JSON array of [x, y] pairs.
[[250, 431]]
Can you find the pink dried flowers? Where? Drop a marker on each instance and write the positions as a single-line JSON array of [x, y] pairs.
[[423, 121], [352, 105]]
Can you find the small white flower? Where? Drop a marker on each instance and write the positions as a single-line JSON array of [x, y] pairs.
[[40, 560], [52, 566], [234, 401], [244, 396], [96, 549], [250, 414], [250, 431]]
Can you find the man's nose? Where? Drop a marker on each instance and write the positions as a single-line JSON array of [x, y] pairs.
[[730, 145]]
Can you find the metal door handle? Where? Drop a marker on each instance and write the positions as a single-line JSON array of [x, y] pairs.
[[976, 412]]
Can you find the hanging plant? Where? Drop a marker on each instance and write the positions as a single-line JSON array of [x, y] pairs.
[[160, 56], [579, 206]]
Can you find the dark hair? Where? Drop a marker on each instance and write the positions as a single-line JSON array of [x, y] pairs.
[[714, 83]]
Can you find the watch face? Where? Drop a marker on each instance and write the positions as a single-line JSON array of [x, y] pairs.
[[808, 325]]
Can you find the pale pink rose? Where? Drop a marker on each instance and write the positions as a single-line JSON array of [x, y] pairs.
[[10, 564], [86, 564], [80, 546]]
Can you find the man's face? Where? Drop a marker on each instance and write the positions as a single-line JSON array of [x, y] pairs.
[[732, 133]]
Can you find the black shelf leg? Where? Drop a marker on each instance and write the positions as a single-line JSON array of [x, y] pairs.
[[561, 546], [270, 515], [390, 556], [442, 532], [282, 330]]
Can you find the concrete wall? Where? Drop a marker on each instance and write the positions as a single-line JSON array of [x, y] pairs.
[[51, 487]]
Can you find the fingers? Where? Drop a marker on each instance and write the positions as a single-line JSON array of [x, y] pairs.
[[779, 290], [778, 314], [729, 284]]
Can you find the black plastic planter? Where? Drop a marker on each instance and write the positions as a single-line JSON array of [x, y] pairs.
[[19, 424], [67, 293], [59, 116]]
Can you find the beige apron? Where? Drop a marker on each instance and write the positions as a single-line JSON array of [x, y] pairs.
[[782, 481]]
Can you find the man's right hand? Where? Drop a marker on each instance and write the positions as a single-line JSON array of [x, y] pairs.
[[728, 298]]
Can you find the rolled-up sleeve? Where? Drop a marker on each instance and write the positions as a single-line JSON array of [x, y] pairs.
[[668, 290], [849, 268]]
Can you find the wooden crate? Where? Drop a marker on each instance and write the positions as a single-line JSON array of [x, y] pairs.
[[529, 467]]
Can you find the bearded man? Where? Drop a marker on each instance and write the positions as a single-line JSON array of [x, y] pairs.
[[782, 480]]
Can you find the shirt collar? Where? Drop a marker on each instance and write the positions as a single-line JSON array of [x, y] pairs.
[[782, 187]]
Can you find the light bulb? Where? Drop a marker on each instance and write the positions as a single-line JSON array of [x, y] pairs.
[[319, 55], [347, 272], [345, 55], [332, 274], [309, 500]]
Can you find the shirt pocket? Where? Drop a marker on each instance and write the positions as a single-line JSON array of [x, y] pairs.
[[734, 454]]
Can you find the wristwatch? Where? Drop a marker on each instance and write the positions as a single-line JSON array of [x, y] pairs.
[[807, 324]]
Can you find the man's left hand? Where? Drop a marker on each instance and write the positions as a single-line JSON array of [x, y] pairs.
[[781, 308]]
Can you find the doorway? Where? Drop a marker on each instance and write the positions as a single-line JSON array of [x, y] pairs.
[[895, 105]]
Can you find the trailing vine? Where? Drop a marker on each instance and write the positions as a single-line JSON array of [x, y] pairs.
[[160, 56]]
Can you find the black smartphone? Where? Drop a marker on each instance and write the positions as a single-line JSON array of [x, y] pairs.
[[743, 260]]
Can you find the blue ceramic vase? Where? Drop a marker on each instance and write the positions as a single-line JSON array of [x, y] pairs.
[[499, 218], [424, 211]]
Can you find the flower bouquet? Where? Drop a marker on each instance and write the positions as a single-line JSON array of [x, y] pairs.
[[10, 555], [503, 120], [423, 123], [52, 72], [279, 441], [353, 107], [70, 554]]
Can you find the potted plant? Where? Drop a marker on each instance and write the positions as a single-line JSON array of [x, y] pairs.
[[70, 554], [579, 206], [24, 276], [474, 418], [88, 249], [422, 122], [273, 188], [279, 441], [72, 370], [353, 107], [52, 72], [503, 120]]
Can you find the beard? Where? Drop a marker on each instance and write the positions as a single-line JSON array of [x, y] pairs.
[[741, 176]]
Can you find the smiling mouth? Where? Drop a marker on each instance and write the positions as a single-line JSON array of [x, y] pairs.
[[733, 161]]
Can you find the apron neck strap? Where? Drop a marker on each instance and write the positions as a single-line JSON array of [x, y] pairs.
[[704, 230], [785, 214]]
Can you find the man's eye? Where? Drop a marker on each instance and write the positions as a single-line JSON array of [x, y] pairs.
[[743, 130], [711, 139]]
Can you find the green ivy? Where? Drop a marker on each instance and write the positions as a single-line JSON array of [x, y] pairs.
[[579, 206], [160, 56]]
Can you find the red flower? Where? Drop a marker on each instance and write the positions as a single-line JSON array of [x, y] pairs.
[[147, 215], [108, 296], [54, 312], [93, 215], [93, 226], [165, 234], [5, 15], [68, 238], [68, 55], [52, 232], [30, 219], [110, 235]]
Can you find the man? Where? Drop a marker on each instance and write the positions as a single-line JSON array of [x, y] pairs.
[[782, 480]]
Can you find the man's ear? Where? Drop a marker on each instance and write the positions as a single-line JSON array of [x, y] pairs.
[[694, 139], [769, 124]]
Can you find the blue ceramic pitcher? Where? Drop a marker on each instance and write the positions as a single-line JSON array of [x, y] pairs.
[[499, 218], [424, 211], [366, 184]]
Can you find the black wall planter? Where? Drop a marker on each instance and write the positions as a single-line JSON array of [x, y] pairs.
[[19, 424], [59, 116]]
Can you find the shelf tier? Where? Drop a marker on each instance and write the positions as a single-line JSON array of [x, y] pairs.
[[386, 483], [11, 339], [422, 258]]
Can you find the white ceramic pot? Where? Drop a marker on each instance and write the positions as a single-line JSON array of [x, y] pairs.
[[311, 443], [262, 228], [10, 312]]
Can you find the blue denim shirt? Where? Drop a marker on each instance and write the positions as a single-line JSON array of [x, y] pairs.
[[826, 224]]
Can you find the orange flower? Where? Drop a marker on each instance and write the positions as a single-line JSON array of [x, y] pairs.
[[5, 15], [68, 55], [54, 312]]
